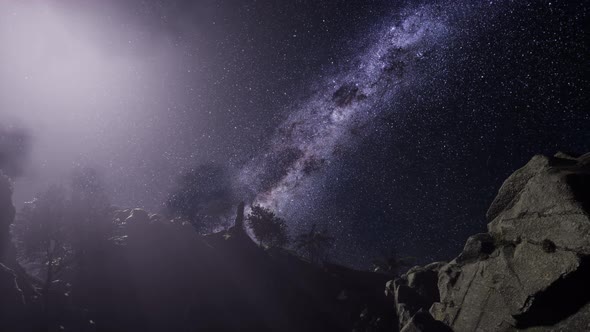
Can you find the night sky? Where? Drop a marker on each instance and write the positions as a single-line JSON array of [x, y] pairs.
[[390, 123]]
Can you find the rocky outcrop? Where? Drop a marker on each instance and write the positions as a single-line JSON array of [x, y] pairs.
[[238, 230], [415, 290], [529, 272], [548, 201]]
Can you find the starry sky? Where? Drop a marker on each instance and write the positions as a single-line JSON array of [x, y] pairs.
[[390, 123]]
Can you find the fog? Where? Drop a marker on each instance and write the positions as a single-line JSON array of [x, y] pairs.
[[93, 87]]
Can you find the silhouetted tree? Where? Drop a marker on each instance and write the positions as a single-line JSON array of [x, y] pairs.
[[268, 228], [43, 236], [204, 196], [57, 233], [314, 244]]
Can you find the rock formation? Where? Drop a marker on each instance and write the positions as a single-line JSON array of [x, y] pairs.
[[155, 274], [238, 227], [529, 272], [415, 291]]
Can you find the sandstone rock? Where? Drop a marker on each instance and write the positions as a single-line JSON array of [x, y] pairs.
[[415, 290], [531, 271], [539, 236], [478, 246], [548, 199], [487, 294]]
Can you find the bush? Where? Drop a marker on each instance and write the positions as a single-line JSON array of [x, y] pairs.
[[269, 229]]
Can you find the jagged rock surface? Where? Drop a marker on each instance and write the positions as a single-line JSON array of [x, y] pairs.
[[547, 200], [530, 271], [415, 290]]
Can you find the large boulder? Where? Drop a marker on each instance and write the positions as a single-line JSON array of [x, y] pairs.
[[491, 294], [530, 271], [546, 200]]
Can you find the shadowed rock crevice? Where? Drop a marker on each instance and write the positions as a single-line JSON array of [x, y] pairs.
[[562, 299], [580, 184]]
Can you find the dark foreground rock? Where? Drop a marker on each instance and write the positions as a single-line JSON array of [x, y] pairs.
[[530, 271], [156, 274], [17, 293], [160, 275]]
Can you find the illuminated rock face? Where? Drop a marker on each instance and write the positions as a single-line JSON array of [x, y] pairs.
[[529, 271]]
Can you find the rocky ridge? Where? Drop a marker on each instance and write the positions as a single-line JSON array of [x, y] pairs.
[[529, 272], [157, 274]]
